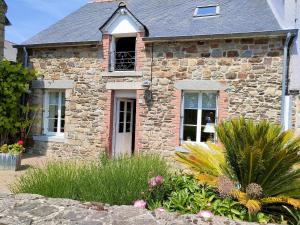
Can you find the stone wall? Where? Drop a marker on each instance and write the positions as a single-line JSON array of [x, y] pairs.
[[252, 69], [35, 210]]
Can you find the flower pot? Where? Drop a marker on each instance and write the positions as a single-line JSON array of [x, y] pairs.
[[10, 162]]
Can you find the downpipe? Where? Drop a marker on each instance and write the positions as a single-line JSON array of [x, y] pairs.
[[285, 102]]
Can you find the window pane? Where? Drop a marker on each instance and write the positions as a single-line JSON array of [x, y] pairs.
[[206, 136], [191, 100], [209, 10], [53, 98], [209, 100], [63, 98], [52, 125], [53, 111], [62, 126], [208, 116], [190, 116], [63, 111], [189, 133]]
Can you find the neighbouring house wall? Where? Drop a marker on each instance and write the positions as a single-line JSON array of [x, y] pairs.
[[3, 9], [287, 13], [251, 68]]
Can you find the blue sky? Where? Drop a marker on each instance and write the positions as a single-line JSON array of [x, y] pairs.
[[28, 17]]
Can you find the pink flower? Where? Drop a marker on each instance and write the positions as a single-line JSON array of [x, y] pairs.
[[20, 142], [154, 181], [206, 215], [159, 180], [140, 204]]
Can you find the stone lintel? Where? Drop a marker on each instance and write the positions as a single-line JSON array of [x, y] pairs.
[[200, 85], [122, 74], [124, 86], [52, 84]]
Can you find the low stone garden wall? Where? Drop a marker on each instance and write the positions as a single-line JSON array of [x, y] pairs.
[[33, 209]]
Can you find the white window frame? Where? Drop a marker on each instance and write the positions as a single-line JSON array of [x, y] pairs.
[[199, 115], [46, 113]]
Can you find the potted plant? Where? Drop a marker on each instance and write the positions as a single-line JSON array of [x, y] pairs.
[[10, 156]]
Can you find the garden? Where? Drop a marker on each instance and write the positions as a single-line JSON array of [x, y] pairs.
[[252, 174]]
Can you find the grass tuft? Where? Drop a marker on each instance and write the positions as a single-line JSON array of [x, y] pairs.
[[119, 182]]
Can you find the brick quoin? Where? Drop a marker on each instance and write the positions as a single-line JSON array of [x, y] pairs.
[[106, 138], [140, 55], [176, 119], [140, 51], [138, 122], [223, 106], [106, 51]]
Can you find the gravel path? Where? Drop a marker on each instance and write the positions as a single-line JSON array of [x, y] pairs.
[[8, 177], [34, 209]]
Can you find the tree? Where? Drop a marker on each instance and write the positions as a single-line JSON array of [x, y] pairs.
[[14, 83]]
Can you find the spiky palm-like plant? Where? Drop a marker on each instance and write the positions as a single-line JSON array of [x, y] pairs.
[[252, 153], [261, 153]]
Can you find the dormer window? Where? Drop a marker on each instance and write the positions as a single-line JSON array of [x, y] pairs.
[[202, 11], [122, 28]]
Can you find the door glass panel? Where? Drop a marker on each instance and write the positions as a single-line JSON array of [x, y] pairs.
[[189, 133], [128, 106], [122, 106], [128, 127], [121, 127], [121, 117], [191, 100], [209, 100]]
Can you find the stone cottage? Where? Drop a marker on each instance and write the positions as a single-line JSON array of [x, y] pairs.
[[145, 76]]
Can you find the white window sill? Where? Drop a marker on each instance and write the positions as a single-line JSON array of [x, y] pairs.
[[44, 138], [122, 74]]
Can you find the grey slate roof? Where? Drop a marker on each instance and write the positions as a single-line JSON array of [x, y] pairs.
[[163, 18]]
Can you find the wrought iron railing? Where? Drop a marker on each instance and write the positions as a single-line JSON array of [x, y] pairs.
[[124, 61]]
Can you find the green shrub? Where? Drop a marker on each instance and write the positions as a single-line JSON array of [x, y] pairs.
[[120, 181], [184, 194], [14, 82]]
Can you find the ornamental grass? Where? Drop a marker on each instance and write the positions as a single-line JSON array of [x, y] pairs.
[[117, 182]]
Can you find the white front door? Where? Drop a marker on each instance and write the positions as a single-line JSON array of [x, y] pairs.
[[124, 127]]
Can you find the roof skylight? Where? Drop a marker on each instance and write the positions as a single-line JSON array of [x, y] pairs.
[[211, 10]]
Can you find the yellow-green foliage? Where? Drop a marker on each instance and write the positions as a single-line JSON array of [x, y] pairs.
[[204, 161], [251, 153], [4, 149]]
